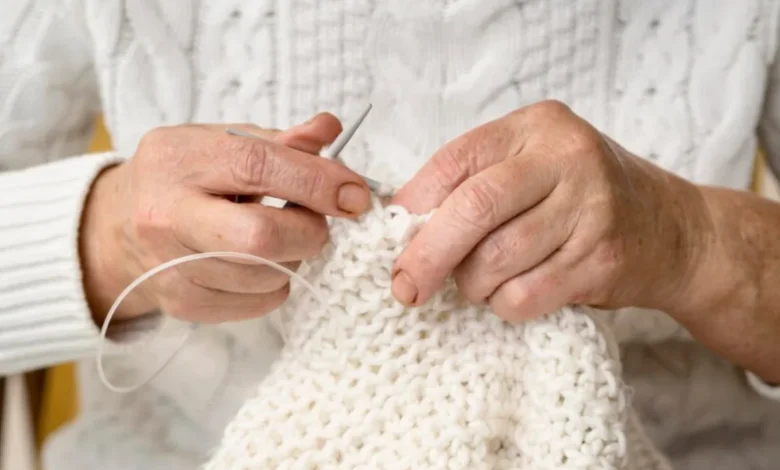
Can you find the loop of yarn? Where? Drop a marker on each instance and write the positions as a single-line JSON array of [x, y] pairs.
[[102, 345], [363, 382]]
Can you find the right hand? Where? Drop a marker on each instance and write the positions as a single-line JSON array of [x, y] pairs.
[[175, 198]]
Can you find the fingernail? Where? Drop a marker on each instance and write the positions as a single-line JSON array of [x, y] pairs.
[[403, 289], [353, 198]]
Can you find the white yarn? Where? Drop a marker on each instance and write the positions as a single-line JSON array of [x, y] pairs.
[[367, 383], [130, 348]]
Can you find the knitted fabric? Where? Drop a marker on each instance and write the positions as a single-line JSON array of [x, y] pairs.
[[363, 382]]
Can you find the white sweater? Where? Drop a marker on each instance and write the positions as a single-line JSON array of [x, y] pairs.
[[685, 83]]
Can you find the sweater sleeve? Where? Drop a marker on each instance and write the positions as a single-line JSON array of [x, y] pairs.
[[48, 101]]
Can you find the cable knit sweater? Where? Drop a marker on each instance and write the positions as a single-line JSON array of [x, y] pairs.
[[688, 84]]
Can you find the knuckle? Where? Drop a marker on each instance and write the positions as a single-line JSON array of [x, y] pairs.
[[262, 237], [153, 140], [450, 165], [316, 184], [517, 298], [581, 142], [514, 302], [586, 142], [424, 258], [550, 109], [250, 159], [159, 147], [478, 204], [577, 136], [524, 300], [417, 262], [492, 253]]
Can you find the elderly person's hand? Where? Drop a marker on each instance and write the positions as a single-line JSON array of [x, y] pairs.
[[175, 198], [537, 210]]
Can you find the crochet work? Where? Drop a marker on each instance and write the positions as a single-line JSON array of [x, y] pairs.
[[367, 383]]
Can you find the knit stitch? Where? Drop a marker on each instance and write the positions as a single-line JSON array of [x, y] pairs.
[[363, 382]]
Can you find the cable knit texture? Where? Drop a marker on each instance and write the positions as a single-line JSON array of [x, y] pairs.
[[48, 97], [363, 382], [685, 83]]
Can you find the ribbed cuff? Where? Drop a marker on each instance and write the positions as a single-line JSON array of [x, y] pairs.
[[44, 317], [763, 388]]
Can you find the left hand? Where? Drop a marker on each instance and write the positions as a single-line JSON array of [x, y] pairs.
[[538, 210]]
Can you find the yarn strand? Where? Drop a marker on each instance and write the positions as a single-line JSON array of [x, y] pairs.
[[193, 326]]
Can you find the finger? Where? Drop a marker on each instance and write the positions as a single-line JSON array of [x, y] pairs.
[[261, 167], [208, 306], [202, 223], [310, 136], [544, 289], [456, 162], [313, 135], [475, 209], [515, 247], [226, 275]]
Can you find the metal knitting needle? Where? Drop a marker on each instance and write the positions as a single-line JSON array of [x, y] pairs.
[[341, 141], [333, 151]]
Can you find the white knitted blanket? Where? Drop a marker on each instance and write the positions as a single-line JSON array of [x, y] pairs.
[[368, 384]]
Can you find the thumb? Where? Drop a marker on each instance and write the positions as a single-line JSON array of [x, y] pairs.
[[312, 135]]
